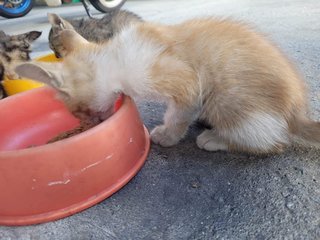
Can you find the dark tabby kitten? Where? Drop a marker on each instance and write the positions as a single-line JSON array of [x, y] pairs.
[[14, 49], [95, 30]]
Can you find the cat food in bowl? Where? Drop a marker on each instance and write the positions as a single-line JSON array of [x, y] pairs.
[[41, 182], [20, 85]]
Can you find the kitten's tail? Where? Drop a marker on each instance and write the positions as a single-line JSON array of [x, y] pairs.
[[307, 130]]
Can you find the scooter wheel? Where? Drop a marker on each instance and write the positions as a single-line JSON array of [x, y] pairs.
[[16, 11], [107, 5]]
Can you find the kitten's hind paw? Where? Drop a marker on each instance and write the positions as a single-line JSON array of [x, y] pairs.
[[164, 136], [209, 141]]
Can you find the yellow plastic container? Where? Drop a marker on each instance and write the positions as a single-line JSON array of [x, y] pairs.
[[20, 85], [49, 58]]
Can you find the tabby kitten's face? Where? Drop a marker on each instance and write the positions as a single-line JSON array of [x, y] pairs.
[[13, 49], [17, 47]]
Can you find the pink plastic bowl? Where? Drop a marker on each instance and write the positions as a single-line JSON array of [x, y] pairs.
[[50, 181]]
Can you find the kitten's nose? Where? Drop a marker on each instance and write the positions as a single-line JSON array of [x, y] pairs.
[[57, 55]]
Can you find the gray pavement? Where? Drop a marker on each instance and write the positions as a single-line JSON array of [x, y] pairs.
[[186, 193]]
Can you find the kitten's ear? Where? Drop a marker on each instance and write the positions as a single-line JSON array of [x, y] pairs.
[[58, 23], [29, 36], [72, 40], [48, 73], [33, 35]]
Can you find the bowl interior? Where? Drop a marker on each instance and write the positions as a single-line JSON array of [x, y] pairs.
[[33, 118]]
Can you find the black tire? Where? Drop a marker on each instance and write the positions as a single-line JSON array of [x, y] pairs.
[[107, 6], [17, 12]]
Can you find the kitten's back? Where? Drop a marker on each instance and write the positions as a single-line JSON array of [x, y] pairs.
[[92, 29], [99, 30]]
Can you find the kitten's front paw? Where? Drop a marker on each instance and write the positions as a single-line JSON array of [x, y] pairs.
[[164, 136]]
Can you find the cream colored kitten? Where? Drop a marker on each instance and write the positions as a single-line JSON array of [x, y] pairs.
[[216, 70]]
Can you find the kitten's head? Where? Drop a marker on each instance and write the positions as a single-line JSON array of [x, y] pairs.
[[74, 78], [58, 25], [17, 47]]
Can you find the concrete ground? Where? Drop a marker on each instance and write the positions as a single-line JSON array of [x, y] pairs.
[[186, 193]]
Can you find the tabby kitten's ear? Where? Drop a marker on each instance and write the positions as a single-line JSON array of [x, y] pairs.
[[48, 73], [33, 35], [28, 36], [58, 23]]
